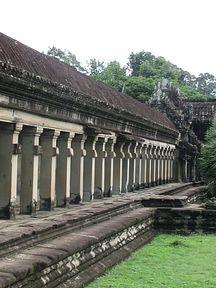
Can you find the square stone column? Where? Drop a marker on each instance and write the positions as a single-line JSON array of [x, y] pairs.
[[89, 168], [9, 150], [153, 165], [126, 161], [149, 166], [139, 158], [133, 166], [31, 150], [100, 166], [63, 170], [48, 169], [157, 165], [160, 165], [109, 164], [168, 164], [144, 165], [172, 154], [117, 174], [164, 180], [77, 168]]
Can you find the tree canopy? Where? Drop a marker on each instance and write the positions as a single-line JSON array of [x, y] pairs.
[[141, 74]]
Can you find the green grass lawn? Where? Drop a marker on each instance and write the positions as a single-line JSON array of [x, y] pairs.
[[170, 261]]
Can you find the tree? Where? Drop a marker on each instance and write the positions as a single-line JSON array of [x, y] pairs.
[[95, 68], [206, 83], [66, 57], [155, 68], [112, 74], [208, 158], [140, 87], [137, 59]]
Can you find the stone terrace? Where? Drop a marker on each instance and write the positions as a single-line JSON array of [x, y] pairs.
[[70, 247]]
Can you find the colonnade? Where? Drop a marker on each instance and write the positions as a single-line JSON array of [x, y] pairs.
[[41, 168]]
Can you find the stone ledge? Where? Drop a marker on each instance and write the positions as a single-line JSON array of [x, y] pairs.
[[64, 257], [180, 199]]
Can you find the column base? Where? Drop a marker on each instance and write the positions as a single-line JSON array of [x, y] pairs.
[[9, 212], [5, 212], [108, 193], [98, 194], [137, 186], [63, 202], [75, 199], [147, 185], [46, 204], [116, 191], [153, 184], [87, 196], [157, 183]]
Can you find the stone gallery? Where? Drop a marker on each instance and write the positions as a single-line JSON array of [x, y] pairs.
[[72, 143]]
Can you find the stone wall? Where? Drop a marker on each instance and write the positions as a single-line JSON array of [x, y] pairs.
[[186, 220], [77, 257]]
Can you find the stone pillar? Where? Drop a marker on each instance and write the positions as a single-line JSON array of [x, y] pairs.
[[172, 154], [165, 165], [161, 166], [194, 165], [132, 166], [139, 159], [192, 168], [109, 161], [168, 164], [154, 163], [157, 170], [48, 169], [185, 168], [150, 165], [100, 167], [29, 191], [9, 150], [63, 170], [89, 168], [77, 168], [177, 166], [126, 166], [117, 169], [145, 166]]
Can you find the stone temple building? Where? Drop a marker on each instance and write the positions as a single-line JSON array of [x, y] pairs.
[[66, 138]]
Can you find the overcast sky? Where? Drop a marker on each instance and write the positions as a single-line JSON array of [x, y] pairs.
[[182, 31]]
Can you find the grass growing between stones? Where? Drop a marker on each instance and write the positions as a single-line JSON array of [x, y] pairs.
[[170, 261]]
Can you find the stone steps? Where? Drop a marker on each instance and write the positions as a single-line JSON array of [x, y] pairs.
[[40, 230], [70, 247], [180, 199], [53, 262], [26, 232]]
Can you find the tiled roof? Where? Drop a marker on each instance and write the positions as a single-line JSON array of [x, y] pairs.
[[24, 57]]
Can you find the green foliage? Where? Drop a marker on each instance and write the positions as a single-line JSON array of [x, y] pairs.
[[206, 83], [157, 68], [170, 261], [208, 158], [66, 57], [140, 87], [145, 71], [137, 59], [112, 74], [95, 68]]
